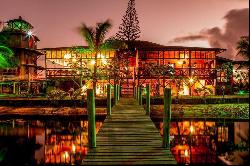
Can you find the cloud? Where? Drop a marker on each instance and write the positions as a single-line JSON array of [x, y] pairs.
[[188, 38], [237, 25]]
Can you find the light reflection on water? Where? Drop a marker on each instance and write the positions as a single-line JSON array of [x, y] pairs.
[[54, 142], [35, 142], [201, 142]]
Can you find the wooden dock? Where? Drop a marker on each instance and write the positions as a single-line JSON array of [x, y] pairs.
[[128, 137]]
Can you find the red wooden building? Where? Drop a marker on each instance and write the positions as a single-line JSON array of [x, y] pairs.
[[144, 62]]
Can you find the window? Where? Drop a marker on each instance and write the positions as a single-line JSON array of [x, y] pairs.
[[222, 134]]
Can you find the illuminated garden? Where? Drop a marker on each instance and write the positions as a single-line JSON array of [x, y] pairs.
[[47, 95]]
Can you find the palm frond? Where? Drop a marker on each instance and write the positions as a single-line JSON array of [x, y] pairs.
[[88, 35], [101, 31], [113, 44], [81, 50]]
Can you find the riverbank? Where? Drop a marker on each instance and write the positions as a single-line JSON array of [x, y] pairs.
[[235, 112], [44, 102], [48, 113], [200, 99]]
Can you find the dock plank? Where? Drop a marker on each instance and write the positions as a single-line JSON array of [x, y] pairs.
[[128, 137]]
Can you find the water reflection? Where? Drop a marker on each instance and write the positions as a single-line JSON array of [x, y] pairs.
[[39, 142], [197, 142], [65, 142]]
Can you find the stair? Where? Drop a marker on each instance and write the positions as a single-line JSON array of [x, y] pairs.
[[127, 88]]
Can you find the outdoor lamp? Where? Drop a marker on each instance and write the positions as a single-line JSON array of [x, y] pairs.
[[67, 56], [29, 33], [191, 80], [92, 62]]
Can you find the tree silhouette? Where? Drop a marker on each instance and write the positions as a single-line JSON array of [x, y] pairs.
[[243, 47], [243, 50], [129, 30]]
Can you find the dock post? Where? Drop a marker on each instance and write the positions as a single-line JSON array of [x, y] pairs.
[[108, 99], [138, 91], [115, 94], [140, 95], [14, 88], [134, 92], [167, 118], [147, 99], [91, 118], [118, 92]]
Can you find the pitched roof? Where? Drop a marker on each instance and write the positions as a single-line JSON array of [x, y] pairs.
[[150, 46]]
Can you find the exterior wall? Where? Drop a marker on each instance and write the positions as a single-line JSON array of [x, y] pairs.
[[196, 65]]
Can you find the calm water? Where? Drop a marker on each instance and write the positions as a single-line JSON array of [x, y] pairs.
[[35, 142], [201, 142], [38, 142]]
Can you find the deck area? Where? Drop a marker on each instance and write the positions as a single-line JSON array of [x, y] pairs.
[[128, 137]]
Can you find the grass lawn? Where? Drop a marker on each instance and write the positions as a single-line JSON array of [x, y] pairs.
[[233, 111]]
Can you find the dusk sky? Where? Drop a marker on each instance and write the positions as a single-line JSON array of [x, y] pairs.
[[200, 23]]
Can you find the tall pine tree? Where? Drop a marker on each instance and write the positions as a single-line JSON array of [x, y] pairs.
[[129, 30]]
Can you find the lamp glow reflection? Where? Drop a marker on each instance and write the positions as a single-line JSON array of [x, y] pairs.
[[186, 153], [73, 148], [191, 129]]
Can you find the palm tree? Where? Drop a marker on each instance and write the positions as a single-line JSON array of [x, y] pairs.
[[243, 49], [95, 38]]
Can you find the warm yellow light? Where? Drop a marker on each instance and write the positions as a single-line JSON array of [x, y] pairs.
[[98, 90], [67, 56], [104, 61], [73, 148], [83, 89], [182, 55], [180, 93], [186, 153], [100, 56], [185, 90], [66, 155], [191, 129], [191, 80], [92, 62], [74, 60], [180, 62]]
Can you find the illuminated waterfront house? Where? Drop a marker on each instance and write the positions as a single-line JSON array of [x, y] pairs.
[[194, 67], [22, 76]]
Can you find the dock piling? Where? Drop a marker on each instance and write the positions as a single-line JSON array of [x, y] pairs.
[[91, 118], [167, 118], [140, 95], [115, 94], [108, 99], [147, 99]]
